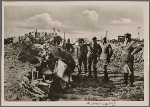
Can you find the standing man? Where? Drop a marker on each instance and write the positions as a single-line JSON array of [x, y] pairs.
[[95, 51], [105, 57], [82, 55], [129, 50], [69, 47]]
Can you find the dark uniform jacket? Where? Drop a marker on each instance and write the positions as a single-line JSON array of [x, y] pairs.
[[82, 51], [69, 47], [95, 50]]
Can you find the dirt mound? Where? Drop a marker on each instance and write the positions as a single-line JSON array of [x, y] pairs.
[[83, 89]]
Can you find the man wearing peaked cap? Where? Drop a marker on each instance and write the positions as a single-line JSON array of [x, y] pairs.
[[95, 51], [129, 50], [94, 38], [127, 35]]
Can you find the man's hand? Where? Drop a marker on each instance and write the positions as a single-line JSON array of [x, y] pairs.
[[98, 58]]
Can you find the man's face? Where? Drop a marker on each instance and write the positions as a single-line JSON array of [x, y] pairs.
[[128, 39], [80, 43]]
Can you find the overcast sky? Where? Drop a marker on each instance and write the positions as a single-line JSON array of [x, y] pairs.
[[75, 20]]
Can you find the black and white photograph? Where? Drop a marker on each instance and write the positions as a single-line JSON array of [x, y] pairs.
[[75, 53]]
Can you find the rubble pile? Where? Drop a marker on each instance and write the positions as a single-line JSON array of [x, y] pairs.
[[38, 73], [39, 76]]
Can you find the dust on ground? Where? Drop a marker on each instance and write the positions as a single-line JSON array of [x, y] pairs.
[[82, 89]]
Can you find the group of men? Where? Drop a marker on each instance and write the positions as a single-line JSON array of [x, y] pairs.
[[88, 54]]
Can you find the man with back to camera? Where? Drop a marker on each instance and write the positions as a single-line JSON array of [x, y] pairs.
[[105, 56], [95, 51]]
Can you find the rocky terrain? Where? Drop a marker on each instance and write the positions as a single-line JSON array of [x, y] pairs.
[[82, 89]]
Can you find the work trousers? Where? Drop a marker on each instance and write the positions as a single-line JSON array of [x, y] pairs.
[[127, 73], [105, 64], [84, 61], [126, 76], [93, 61]]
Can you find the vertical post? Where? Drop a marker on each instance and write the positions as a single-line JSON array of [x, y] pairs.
[[64, 35], [77, 52], [64, 42], [138, 32], [106, 33], [32, 75]]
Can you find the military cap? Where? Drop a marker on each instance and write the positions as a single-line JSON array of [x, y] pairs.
[[94, 38], [127, 35], [104, 38], [81, 40]]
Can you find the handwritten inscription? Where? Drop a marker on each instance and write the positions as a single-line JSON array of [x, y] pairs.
[[101, 103]]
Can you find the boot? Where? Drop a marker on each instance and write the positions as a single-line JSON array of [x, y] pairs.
[[89, 68], [80, 70], [125, 78], [131, 80], [89, 76], [131, 85], [106, 79], [85, 66], [85, 70], [95, 73]]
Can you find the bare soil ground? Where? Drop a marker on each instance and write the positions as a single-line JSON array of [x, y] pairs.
[[82, 89]]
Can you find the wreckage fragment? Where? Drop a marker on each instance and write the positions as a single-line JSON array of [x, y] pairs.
[[52, 68]]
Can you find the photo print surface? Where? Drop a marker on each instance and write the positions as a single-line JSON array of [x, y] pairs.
[[61, 53]]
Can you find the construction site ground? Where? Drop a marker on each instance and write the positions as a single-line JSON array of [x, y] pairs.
[[82, 89]]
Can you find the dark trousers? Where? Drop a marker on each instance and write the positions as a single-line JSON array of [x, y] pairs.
[[105, 72], [94, 62], [105, 64], [126, 76], [84, 61]]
